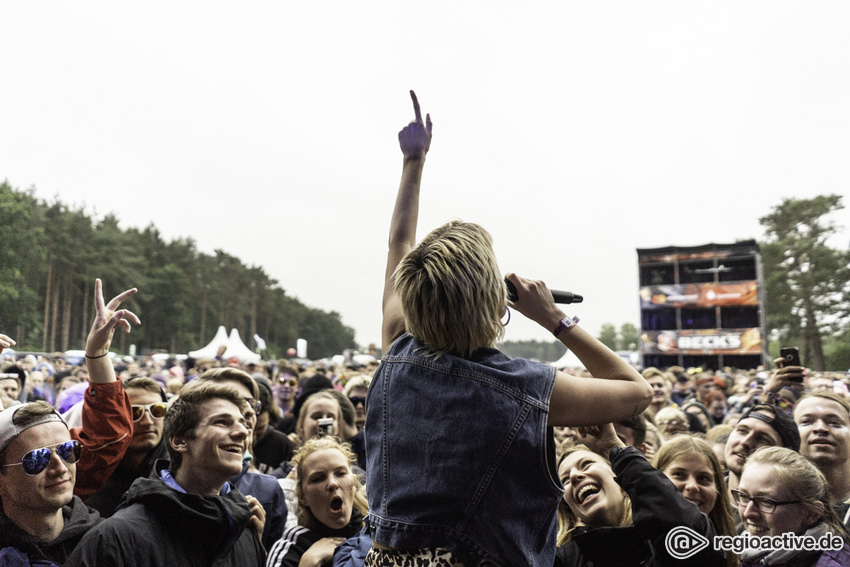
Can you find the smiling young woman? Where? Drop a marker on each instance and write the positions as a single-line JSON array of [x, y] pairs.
[[692, 465], [618, 511], [783, 492]]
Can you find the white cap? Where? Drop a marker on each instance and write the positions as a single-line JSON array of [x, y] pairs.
[[9, 431]]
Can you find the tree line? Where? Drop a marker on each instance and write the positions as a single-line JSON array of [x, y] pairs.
[[52, 253]]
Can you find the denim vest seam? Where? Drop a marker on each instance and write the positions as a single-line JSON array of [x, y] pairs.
[[385, 418], [555, 482], [464, 373], [484, 484]]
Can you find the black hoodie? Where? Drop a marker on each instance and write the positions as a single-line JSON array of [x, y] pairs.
[[158, 526], [79, 519]]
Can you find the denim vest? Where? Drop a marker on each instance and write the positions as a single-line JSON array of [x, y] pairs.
[[459, 456]]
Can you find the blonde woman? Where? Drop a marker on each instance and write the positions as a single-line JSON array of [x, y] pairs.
[[444, 394], [671, 422], [783, 492], [331, 508]]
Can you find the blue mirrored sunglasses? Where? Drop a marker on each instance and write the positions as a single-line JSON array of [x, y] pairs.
[[37, 460]]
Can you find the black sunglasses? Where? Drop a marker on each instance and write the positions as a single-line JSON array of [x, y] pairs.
[[37, 460], [355, 400], [157, 410]]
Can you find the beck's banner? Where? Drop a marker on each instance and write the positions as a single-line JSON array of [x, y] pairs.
[[699, 295], [703, 341]]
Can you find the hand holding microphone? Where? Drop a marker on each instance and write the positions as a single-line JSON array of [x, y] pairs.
[[557, 296], [538, 303]]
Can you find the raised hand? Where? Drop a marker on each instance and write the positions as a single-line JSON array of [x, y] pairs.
[[107, 319], [534, 300], [6, 342], [785, 377], [603, 437], [415, 138]]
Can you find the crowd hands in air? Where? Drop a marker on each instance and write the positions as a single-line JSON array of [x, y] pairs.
[[130, 461]]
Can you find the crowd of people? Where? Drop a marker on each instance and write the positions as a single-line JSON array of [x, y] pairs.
[[446, 453]]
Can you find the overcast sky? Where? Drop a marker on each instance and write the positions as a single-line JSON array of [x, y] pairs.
[[576, 132]]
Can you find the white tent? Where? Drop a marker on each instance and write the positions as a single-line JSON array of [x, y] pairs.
[[211, 349], [235, 347]]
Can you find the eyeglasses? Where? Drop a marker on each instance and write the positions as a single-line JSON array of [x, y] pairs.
[[766, 505], [254, 404], [357, 400], [37, 460], [156, 410]]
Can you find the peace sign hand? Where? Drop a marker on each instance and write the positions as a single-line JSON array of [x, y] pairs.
[[107, 320], [415, 138]]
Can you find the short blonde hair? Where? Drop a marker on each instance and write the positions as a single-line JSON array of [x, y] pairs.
[[652, 372], [665, 415], [359, 381], [451, 291]]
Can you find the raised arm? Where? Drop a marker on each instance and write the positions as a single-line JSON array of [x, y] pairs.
[[107, 427], [616, 391], [415, 140]]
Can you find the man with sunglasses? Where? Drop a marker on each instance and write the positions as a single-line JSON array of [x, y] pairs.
[[43, 517], [149, 405], [356, 389], [42, 520]]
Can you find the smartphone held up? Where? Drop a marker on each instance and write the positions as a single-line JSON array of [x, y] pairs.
[[326, 427]]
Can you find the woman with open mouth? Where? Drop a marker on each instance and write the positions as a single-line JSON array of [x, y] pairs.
[[620, 511], [331, 508]]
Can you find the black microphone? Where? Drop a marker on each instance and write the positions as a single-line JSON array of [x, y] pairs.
[[558, 296], [566, 296]]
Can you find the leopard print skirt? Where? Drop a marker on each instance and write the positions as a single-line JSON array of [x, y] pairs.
[[417, 558]]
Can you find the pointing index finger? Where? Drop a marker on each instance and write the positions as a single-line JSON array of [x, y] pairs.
[[416, 106]]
